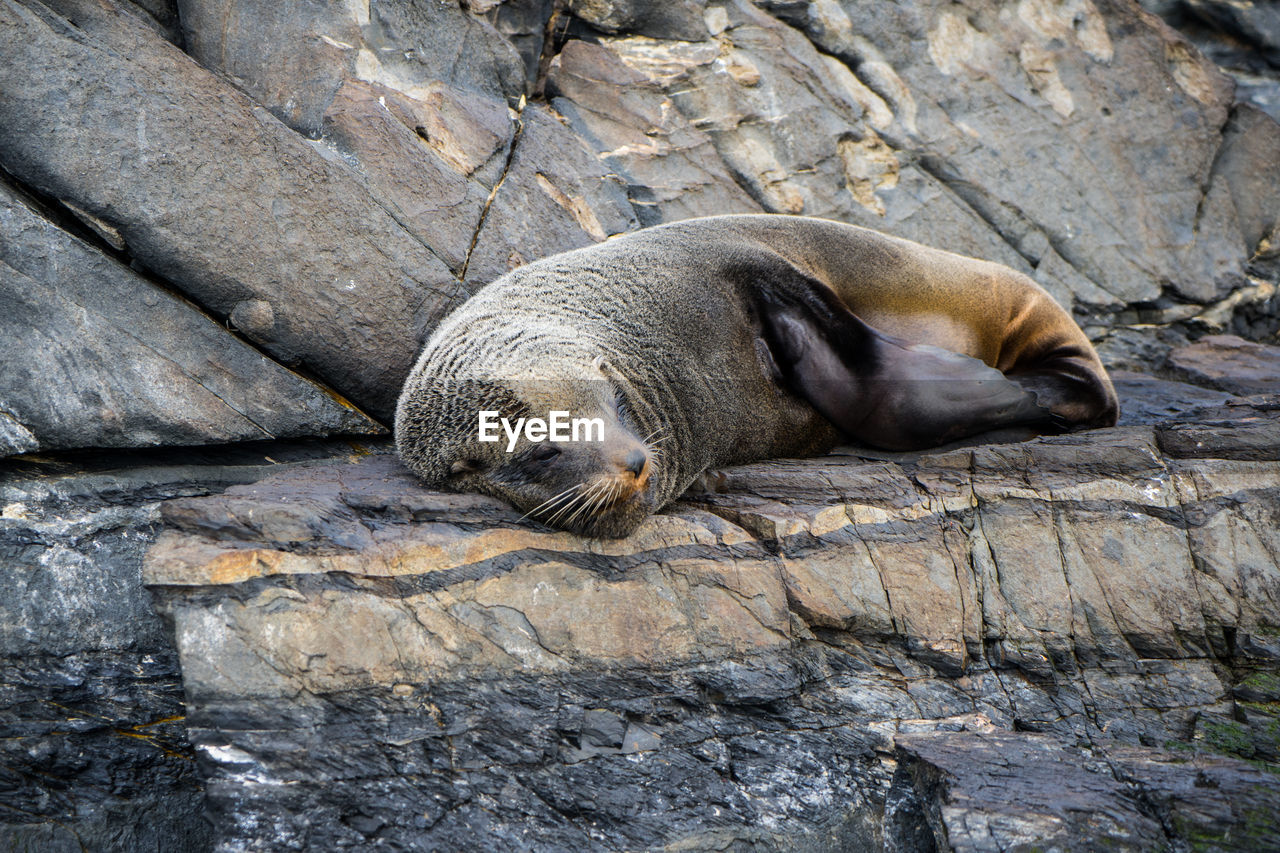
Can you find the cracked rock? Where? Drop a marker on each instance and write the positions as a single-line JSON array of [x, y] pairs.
[[104, 358], [212, 194], [737, 671], [1002, 791]]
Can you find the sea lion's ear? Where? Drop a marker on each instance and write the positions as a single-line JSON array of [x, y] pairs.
[[465, 466]]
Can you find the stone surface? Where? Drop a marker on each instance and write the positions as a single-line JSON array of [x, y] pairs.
[[735, 674], [863, 651], [94, 753], [1019, 100], [1256, 24], [96, 356], [1149, 400], [310, 49], [211, 193], [552, 180], [1230, 364], [671, 166], [1002, 791], [1243, 38], [425, 101]]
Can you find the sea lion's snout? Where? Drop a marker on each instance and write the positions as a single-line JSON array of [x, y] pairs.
[[636, 463], [632, 471]]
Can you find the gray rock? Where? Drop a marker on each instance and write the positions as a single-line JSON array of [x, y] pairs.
[[1256, 24], [524, 23], [96, 356], [292, 58], [95, 753], [289, 57], [1149, 400], [215, 196], [671, 168], [415, 96], [1247, 163], [1228, 363], [1087, 136], [681, 20], [14, 437], [1242, 38], [434, 188], [439, 41], [734, 675], [163, 16], [796, 131], [983, 791], [550, 179]]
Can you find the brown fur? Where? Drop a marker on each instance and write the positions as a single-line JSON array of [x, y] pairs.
[[669, 335]]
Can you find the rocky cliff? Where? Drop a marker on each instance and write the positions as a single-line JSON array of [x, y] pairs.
[[235, 622]]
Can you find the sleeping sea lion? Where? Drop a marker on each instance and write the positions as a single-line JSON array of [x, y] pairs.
[[727, 339]]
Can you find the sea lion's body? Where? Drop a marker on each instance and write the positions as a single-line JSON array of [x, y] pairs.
[[732, 339]]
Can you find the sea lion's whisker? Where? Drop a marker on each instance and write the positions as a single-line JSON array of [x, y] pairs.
[[590, 504], [656, 437], [544, 504], [579, 500], [553, 499], [594, 502]]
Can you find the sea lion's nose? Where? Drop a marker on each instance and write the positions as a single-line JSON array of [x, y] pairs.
[[635, 461]]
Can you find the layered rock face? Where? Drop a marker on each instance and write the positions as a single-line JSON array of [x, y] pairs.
[[834, 653], [228, 227], [326, 182]]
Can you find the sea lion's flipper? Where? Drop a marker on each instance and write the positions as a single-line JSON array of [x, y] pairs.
[[882, 390]]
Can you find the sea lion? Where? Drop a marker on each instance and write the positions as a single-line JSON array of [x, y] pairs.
[[726, 339]]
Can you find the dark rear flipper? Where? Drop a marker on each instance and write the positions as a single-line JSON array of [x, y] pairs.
[[888, 393]]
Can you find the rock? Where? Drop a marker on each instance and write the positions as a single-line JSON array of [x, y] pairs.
[[1256, 24], [682, 20], [265, 49], [215, 196], [95, 753], [426, 123], [1242, 38], [1148, 400], [1238, 430], [104, 358], [14, 437], [1228, 363], [417, 156], [865, 134], [1005, 791], [671, 168], [311, 49], [1009, 107], [553, 180], [736, 672], [796, 131], [162, 15], [1251, 140], [523, 23]]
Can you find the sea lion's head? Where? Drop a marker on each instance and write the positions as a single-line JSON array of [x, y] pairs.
[[558, 441]]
